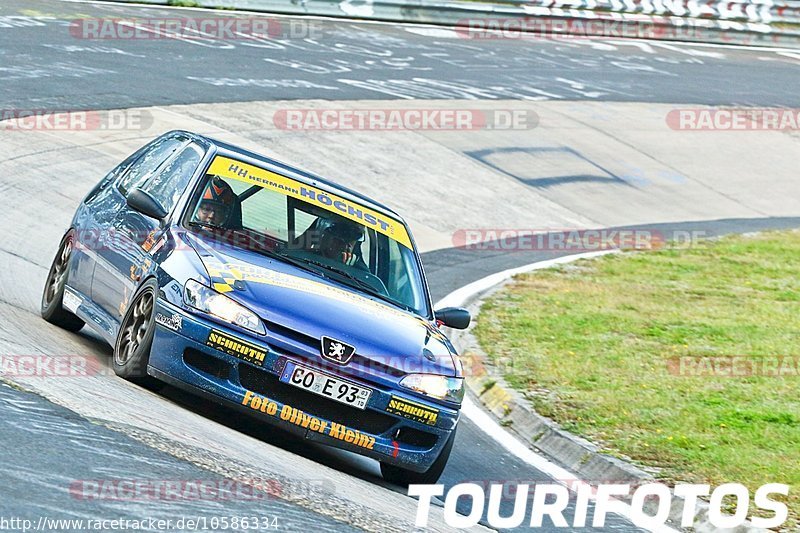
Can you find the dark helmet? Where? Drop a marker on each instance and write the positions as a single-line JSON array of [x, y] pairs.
[[219, 196], [344, 229], [218, 191], [340, 239]]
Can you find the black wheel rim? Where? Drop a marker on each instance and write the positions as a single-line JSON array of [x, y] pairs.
[[58, 274], [135, 328]]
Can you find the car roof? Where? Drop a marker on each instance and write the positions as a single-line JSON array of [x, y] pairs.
[[293, 172]]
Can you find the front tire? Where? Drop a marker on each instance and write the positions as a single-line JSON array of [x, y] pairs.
[[135, 337], [401, 476], [52, 308]]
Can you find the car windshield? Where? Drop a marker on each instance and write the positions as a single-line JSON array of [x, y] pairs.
[[319, 231]]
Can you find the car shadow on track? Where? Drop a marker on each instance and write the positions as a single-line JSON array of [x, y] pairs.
[[344, 461]]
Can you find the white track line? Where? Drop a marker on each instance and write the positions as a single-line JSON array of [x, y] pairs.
[[489, 425], [460, 296]]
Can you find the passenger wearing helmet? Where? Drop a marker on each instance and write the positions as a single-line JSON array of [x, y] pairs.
[[215, 204], [339, 241]]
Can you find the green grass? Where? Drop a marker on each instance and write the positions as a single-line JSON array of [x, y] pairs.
[[591, 343]]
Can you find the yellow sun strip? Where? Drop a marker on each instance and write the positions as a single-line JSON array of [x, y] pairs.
[[230, 168]]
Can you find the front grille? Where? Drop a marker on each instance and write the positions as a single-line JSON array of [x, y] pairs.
[[268, 385], [314, 345], [289, 333]]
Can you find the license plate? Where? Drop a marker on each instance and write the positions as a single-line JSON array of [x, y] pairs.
[[326, 385]]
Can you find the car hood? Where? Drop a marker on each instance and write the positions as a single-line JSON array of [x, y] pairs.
[[286, 296]]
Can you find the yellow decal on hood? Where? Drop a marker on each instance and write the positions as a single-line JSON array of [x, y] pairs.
[[230, 168]]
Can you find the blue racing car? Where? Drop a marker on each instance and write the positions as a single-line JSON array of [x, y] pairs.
[[258, 285]]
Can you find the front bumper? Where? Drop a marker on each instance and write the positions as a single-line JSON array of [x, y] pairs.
[[182, 356]]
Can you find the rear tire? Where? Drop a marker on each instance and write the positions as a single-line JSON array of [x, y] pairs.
[[52, 309], [401, 476], [135, 337]]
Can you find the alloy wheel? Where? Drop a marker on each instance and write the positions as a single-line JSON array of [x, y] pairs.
[[135, 327]]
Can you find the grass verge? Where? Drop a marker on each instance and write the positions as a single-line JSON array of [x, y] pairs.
[[597, 346]]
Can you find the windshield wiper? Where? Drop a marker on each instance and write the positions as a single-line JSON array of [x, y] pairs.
[[206, 226], [260, 251], [341, 272], [305, 264], [287, 259], [370, 289]]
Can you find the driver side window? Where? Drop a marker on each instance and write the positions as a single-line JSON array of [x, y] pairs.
[[170, 182], [148, 162]]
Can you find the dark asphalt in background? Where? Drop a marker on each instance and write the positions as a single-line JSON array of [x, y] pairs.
[[44, 67], [451, 269]]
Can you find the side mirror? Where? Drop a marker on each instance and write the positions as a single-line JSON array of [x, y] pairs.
[[140, 201], [453, 317]]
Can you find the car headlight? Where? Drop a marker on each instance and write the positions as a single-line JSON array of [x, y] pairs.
[[441, 387], [200, 297]]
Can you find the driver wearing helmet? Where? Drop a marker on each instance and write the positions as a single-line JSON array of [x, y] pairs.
[[339, 241], [215, 204]]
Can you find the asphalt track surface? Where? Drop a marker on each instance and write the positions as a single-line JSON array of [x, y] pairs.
[[46, 445], [43, 66], [48, 65]]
